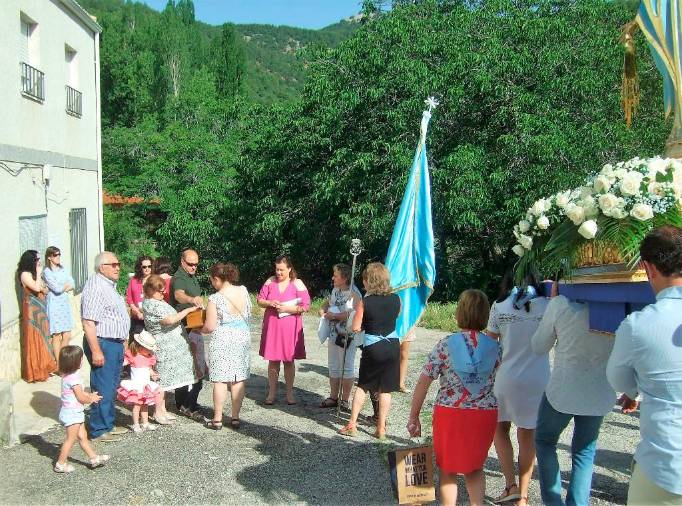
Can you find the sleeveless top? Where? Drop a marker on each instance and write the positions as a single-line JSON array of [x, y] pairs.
[[381, 312]]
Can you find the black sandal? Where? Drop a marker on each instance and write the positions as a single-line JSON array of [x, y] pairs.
[[235, 423], [213, 425], [329, 403]]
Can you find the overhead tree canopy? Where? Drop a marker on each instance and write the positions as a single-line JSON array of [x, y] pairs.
[[530, 103]]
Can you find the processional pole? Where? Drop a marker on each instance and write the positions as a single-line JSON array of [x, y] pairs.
[[355, 250]]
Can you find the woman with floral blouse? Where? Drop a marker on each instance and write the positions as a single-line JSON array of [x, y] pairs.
[[465, 411]]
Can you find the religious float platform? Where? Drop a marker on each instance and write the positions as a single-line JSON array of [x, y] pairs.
[[611, 292]]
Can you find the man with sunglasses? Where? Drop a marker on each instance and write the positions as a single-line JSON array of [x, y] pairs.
[[106, 324], [185, 293]]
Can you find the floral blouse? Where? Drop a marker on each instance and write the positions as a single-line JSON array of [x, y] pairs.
[[453, 391]]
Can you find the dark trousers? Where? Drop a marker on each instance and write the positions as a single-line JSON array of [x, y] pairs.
[[187, 396], [104, 380]]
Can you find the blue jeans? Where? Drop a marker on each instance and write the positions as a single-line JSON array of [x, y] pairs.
[[551, 423], [104, 380]]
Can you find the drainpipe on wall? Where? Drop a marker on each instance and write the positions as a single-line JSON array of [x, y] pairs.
[[98, 136]]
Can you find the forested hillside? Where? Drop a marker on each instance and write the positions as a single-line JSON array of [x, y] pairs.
[[272, 69], [524, 112]]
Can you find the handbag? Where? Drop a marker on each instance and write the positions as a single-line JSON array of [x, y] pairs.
[[323, 330]]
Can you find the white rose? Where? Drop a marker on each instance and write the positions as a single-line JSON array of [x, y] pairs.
[[631, 183], [524, 226], [642, 212], [602, 184], [586, 191], [543, 222], [657, 165], [589, 205], [619, 213], [526, 241], [562, 199], [575, 213], [519, 250], [588, 229], [656, 189], [539, 207], [620, 172], [607, 202]]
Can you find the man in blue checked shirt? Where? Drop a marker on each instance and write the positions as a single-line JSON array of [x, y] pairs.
[[106, 324]]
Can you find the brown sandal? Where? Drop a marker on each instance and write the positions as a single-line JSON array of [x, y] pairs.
[[329, 403]]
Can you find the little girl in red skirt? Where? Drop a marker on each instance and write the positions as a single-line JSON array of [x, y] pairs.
[[465, 412], [140, 390]]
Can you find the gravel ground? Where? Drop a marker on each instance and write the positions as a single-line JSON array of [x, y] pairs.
[[282, 454]]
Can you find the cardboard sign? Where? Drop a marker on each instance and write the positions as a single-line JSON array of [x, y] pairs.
[[412, 474]]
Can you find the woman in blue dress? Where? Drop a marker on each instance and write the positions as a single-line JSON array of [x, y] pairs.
[[59, 282]]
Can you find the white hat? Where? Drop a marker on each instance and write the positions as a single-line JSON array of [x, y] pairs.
[[146, 340]]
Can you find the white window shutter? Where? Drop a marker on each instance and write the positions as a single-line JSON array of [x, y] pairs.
[[24, 41]]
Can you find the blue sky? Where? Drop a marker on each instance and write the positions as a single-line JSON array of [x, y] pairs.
[[302, 13]]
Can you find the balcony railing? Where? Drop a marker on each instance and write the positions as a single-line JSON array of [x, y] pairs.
[[74, 101], [32, 82]]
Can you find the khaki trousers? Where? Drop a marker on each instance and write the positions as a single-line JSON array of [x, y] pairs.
[[645, 492]]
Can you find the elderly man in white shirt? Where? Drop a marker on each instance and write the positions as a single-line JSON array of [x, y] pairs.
[[577, 390], [647, 360]]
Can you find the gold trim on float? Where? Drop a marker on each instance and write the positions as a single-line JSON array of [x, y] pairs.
[[609, 277]]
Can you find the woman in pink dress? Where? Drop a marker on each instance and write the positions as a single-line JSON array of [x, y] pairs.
[[285, 298]]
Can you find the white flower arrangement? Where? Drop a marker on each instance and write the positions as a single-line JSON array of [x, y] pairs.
[[638, 189]]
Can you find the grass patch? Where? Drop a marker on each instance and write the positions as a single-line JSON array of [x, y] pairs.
[[439, 316]]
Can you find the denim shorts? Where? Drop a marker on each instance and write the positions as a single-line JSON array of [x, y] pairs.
[[71, 416]]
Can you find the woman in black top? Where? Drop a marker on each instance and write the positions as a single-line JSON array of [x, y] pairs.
[[380, 363]]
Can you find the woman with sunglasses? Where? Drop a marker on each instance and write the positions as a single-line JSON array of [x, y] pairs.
[[59, 283], [37, 363], [135, 293]]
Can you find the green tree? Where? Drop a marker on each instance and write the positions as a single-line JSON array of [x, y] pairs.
[[530, 103], [228, 62]]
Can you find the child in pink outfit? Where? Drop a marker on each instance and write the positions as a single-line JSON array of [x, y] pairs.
[[140, 390]]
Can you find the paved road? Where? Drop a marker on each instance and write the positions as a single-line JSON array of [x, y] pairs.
[[282, 454]]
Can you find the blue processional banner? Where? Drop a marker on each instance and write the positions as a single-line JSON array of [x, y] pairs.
[[411, 258]]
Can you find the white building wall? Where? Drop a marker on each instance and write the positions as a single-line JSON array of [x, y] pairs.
[[35, 134], [46, 126]]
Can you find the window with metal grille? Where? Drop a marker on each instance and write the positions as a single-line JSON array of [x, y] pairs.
[[79, 247], [32, 79], [33, 233]]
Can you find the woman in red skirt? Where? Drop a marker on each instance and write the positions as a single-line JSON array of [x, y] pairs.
[[465, 412]]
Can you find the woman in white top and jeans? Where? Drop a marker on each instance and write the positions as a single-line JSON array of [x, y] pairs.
[[521, 380], [578, 390]]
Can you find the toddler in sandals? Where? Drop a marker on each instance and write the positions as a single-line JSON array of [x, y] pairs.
[[71, 414], [140, 391]]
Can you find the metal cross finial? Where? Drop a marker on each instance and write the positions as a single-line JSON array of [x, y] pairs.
[[355, 247], [432, 103]]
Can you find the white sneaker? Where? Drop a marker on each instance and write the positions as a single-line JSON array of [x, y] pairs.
[[99, 461], [63, 468], [137, 429], [149, 426]]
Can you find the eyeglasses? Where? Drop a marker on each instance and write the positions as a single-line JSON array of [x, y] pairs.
[[146, 266], [191, 265], [56, 255], [115, 265]]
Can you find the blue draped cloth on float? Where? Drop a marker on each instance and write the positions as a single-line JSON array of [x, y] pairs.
[[411, 257], [661, 23]]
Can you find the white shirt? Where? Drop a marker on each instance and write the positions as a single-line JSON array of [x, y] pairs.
[[578, 384]]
